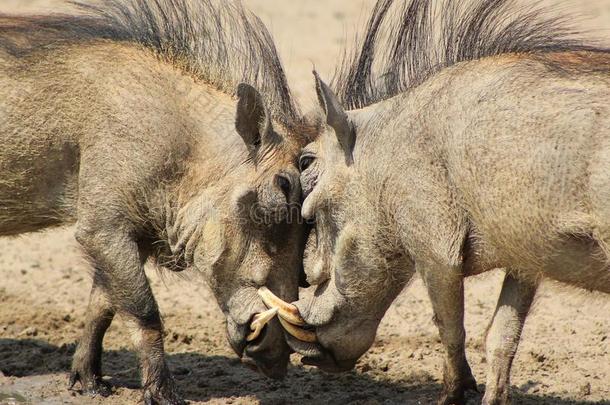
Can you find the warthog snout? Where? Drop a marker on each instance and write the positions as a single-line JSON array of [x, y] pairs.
[[260, 343], [301, 336], [269, 351]]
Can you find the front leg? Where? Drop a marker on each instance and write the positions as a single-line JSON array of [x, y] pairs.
[[121, 276], [503, 336], [445, 285]]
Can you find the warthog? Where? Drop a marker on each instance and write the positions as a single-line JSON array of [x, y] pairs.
[[122, 119], [483, 142]]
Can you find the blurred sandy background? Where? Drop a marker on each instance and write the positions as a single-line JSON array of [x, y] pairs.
[[564, 357]]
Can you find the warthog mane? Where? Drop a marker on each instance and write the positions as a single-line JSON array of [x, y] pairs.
[[405, 44], [218, 42]]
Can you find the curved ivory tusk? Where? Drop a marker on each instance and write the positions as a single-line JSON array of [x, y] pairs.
[[299, 333], [287, 311], [259, 322]]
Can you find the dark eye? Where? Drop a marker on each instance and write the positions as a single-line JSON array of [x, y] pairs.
[[305, 162]]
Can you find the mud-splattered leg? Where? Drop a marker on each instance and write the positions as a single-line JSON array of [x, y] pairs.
[[87, 361], [503, 337], [121, 275], [157, 381], [446, 291]]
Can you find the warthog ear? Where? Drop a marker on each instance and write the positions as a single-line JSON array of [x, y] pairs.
[[252, 120], [336, 117]]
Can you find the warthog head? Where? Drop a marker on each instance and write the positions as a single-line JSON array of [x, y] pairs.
[[247, 233], [353, 276]]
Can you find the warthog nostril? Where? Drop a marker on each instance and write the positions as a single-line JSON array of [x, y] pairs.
[[284, 184]]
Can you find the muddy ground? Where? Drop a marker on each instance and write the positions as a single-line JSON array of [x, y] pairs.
[[564, 357]]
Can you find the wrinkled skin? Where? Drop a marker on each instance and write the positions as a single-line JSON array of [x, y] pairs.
[[259, 241], [192, 179], [420, 183], [340, 259], [344, 311]]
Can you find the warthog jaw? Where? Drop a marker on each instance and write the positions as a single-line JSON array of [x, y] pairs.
[[289, 318]]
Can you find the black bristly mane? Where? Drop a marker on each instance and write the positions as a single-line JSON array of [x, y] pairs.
[[219, 42], [407, 41]]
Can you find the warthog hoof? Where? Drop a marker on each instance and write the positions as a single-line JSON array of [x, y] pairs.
[[455, 395], [93, 385], [496, 399], [162, 394]]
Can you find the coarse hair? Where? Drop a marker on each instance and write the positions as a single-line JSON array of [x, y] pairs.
[[407, 41]]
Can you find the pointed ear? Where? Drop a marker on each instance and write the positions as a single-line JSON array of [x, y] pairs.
[[252, 120], [336, 117]]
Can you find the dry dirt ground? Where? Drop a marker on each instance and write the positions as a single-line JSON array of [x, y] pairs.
[[564, 357]]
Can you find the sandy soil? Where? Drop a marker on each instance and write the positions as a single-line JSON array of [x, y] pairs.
[[564, 357]]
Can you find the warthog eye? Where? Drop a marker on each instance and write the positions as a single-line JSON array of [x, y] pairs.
[[305, 161], [284, 185]]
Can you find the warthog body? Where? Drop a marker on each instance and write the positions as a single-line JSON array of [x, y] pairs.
[[490, 149], [123, 122]]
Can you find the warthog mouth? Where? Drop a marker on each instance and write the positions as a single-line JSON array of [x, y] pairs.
[[301, 338], [287, 314]]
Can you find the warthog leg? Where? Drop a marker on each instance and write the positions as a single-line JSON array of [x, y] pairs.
[[445, 287], [87, 361], [121, 275], [503, 336]]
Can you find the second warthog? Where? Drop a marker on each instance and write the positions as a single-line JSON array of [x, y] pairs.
[[122, 121], [483, 142]]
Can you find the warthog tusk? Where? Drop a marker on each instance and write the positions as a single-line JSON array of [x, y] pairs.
[[286, 311], [259, 322], [299, 333], [289, 316]]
